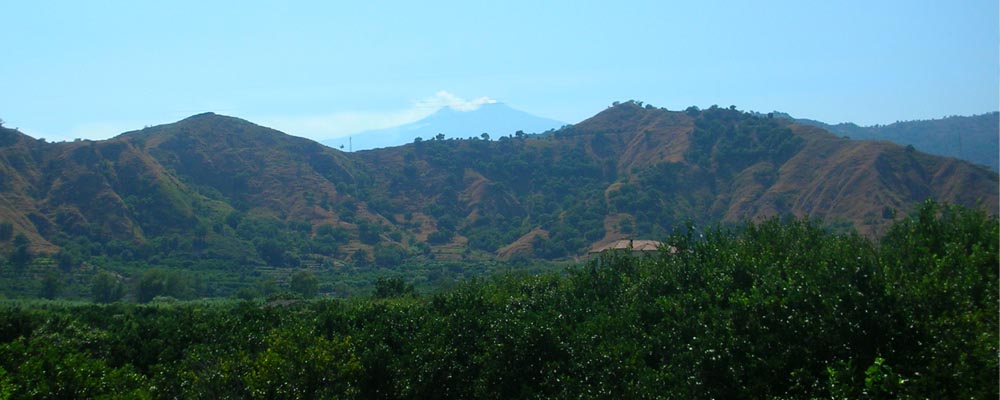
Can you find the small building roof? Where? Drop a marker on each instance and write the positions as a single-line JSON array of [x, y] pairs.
[[630, 244]]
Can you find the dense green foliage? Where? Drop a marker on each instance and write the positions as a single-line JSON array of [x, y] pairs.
[[782, 308]]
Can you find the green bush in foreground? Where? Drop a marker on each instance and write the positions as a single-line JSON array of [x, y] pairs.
[[776, 309]]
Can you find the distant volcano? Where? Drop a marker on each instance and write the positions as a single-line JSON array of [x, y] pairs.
[[496, 119]]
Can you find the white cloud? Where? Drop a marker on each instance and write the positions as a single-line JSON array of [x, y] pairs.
[[446, 99], [340, 124]]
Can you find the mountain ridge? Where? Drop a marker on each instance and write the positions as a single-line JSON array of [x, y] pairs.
[[223, 193], [974, 138], [495, 119]]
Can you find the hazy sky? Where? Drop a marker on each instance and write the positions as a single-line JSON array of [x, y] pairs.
[[93, 69]]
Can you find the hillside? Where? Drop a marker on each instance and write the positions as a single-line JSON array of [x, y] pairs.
[[251, 168], [215, 193], [974, 138], [641, 171]]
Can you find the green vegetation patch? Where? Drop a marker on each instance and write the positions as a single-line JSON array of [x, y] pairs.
[[781, 308]]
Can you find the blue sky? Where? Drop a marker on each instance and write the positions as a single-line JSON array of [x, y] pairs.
[[328, 69]]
